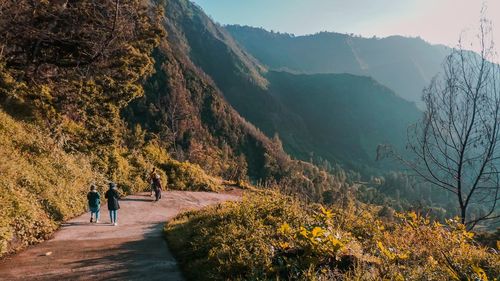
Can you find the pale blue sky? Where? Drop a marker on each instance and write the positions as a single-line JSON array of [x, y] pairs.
[[436, 21]]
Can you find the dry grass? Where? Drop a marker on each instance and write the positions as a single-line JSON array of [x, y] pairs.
[[40, 185]]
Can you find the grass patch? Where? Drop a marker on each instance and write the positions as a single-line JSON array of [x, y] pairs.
[[189, 176]]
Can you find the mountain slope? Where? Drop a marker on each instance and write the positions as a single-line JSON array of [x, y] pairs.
[[239, 77], [347, 116], [192, 118], [405, 65], [41, 184], [236, 73]]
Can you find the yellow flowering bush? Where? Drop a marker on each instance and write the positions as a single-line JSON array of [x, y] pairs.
[[40, 186], [269, 236]]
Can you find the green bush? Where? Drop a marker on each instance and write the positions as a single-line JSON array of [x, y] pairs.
[[231, 241]]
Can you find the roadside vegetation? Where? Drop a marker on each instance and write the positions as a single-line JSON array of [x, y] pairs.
[[270, 236], [41, 184]]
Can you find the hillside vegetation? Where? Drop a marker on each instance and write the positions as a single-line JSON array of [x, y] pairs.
[[274, 237], [41, 184]]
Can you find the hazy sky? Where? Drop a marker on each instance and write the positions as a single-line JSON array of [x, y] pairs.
[[436, 21]]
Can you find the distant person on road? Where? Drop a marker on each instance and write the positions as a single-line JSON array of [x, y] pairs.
[[151, 178], [157, 186], [155, 182], [113, 205], [94, 200]]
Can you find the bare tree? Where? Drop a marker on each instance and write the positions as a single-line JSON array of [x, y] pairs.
[[456, 143], [174, 113]]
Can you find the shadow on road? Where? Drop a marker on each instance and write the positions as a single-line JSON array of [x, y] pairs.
[[146, 258], [68, 224], [138, 199], [133, 260]]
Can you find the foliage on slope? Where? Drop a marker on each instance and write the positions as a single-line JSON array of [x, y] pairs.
[[270, 237], [180, 175], [70, 68], [41, 184]]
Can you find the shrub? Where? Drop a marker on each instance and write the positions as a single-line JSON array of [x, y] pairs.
[[41, 184], [231, 241], [273, 237], [188, 176]]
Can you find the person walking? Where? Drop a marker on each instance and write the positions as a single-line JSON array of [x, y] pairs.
[[94, 201], [151, 178], [113, 205], [157, 186]]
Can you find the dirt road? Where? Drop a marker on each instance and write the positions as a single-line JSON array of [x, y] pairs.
[[133, 250]]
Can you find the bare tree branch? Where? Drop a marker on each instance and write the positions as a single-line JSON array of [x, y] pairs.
[[455, 144]]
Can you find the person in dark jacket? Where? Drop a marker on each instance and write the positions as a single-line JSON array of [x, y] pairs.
[[113, 205], [94, 200], [157, 186], [151, 178]]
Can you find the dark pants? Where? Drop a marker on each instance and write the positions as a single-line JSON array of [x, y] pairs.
[[157, 194], [113, 215]]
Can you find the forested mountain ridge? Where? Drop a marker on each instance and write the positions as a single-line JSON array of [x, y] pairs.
[[347, 116], [262, 97], [236, 73], [186, 109], [406, 65]]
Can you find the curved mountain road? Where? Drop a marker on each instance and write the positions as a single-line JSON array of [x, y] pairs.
[[133, 250]]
